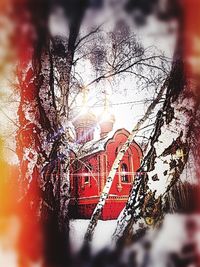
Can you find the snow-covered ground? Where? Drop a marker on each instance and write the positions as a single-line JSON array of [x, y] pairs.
[[102, 235], [170, 238]]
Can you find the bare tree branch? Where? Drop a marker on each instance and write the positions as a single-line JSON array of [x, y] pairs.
[[105, 193]]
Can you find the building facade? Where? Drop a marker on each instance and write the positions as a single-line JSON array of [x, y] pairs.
[[92, 163], [89, 173]]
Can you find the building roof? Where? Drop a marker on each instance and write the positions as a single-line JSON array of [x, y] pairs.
[[91, 147], [95, 146], [85, 118]]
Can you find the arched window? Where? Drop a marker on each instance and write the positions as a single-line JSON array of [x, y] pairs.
[[124, 173], [86, 181], [87, 173]]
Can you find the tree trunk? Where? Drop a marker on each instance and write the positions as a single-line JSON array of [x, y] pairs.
[[166, 158], [42, 152], [105, 193], [42, 139]]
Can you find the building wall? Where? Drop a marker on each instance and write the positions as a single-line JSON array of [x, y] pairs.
[[89, 177], [86, 169], [132, 159]]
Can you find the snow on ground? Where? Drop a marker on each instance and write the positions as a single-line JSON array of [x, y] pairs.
[[171, 238], [172, 235], [102, 236]]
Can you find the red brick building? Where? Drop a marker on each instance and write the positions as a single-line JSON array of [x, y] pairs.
[[94, 159]]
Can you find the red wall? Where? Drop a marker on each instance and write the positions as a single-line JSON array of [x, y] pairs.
[[101, 163], [91, 188], [131, 159]]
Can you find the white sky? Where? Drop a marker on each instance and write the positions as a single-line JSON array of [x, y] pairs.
[[155, 33]]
